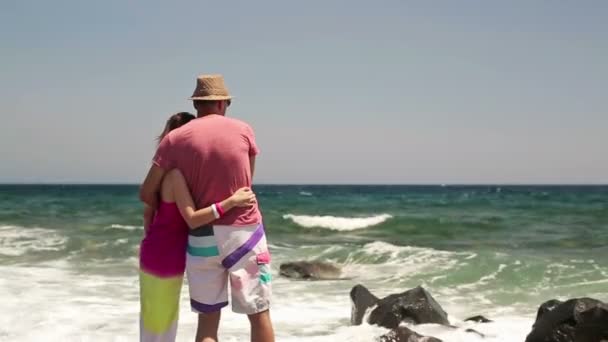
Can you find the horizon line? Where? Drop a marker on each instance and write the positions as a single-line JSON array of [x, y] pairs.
[[320, 184]]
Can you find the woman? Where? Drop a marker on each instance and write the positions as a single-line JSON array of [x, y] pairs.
[[163, 249]]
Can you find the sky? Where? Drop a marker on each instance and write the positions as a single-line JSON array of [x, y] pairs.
[[415, 92]]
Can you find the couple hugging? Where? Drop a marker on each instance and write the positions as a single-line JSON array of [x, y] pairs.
[[202, 217]]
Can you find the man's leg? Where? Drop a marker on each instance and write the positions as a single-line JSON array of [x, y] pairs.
[[248, 263], [261, 327], [208, 324], [207, 281]]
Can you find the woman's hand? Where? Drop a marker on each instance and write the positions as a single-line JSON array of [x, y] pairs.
[[243, 197]]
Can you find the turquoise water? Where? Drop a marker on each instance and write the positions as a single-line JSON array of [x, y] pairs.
[[498, 250]]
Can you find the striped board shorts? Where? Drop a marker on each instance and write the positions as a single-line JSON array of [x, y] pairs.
[[222, 255]]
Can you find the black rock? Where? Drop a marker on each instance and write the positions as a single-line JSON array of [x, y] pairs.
[[575, 320], [403, 334], [415, 306], [362, 300], [310, 270], [546, 307], [478, 319], [475, 332]]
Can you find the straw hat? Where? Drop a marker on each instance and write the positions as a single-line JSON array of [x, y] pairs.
[[210, 88]]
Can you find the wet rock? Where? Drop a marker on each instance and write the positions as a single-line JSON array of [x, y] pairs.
[[310, 270], [478, 319], [575, 320], [415, 306], [364, 300], [473, 331], [547, 306], [403, 334]]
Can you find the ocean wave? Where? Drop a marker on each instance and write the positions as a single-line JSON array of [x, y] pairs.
[[337, 223], [124, 227], [381, 262], [372, 253], [406, 259], [17, 241]]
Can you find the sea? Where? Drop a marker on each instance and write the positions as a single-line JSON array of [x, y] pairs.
[[69, 257]]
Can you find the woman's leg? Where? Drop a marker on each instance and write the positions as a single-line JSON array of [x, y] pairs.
[[159, 303]]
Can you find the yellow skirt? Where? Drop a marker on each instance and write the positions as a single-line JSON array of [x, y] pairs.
[[159, 307]]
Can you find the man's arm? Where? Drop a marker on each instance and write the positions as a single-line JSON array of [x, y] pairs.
[[252, 166], [253, 149], [148, 192]]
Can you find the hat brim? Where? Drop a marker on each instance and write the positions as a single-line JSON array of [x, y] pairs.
[[210, 98]]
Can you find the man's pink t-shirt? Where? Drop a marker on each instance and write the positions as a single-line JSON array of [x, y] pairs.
[[213, 154]]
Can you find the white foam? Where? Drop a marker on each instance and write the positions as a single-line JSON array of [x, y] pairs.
[[405, 255], [125, 227], [103, 304], [65, 305], [121, 242], [337, 223], [384, 263], [503, 329], [16, 240], [492, 276]]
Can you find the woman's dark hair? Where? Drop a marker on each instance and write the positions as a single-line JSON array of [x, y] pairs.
[[175, 121]]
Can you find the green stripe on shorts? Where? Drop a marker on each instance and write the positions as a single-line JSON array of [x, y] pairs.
[[265, 278], [203, 251], [202, 241]]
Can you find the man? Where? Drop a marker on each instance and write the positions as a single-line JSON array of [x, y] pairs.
[[216, 155]]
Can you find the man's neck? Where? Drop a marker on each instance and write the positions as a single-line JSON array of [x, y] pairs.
[[202, 115]]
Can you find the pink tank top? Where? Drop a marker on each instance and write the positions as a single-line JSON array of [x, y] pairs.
[[163, 248]]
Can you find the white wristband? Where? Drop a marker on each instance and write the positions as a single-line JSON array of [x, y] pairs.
[[215, 212]]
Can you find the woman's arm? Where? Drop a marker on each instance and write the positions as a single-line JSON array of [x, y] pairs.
[[196, 218], [148, 192], [148, 216]]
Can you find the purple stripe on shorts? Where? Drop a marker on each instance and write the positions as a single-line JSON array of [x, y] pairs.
[[206, 308], [240, 252]]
